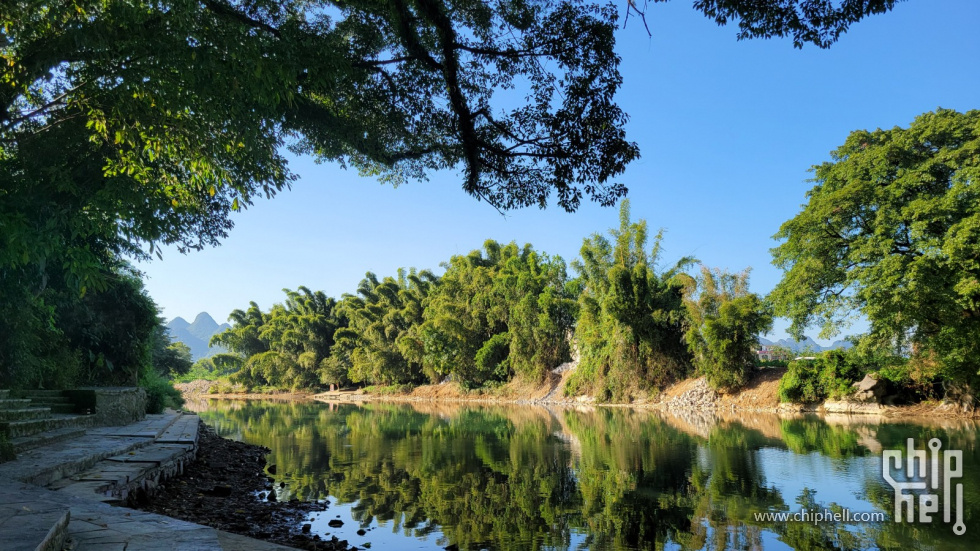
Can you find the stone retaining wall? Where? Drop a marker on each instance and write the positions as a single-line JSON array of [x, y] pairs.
[[111, 406]]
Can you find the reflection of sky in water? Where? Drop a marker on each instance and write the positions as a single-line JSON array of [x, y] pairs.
[[840, 481], [381, 536]]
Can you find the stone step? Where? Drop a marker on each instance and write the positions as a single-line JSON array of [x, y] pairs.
[[39, 393], [49, 463], [25, 443], [58, 408], [50, 400], [30, 427], [4, 394], [152, 426], [128, 477], [135, 475], [14, 403], [35, 524], [24, 414]]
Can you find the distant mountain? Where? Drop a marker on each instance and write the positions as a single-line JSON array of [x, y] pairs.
[[806, 343], [196, 335]]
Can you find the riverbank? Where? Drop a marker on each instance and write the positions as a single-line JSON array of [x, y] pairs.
[[227, 488], [761, 394]]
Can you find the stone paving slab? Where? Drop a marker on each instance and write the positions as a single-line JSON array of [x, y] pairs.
[[150, 427], [47, 464], [29, 513], [96, 526], [183, 431], [28, 524], [109, 474], [91, 490], [158, 453]]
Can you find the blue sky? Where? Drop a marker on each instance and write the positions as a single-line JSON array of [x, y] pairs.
[[727, 132]]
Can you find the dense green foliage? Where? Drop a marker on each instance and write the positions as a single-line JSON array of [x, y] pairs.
[[630, 329], [210, 369], [170, 358], [288, 347], [891, 229], [384, 317], [495, 314], [724, 322], [507, 312], [160, 392], [830, 375], [57, 339]]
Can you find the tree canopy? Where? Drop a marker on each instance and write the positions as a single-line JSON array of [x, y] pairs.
[[724, 321], [891, 229], [818, 22], [127, 125], [125, 122]]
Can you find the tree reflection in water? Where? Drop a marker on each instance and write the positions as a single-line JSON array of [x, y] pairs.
[[523, 477]]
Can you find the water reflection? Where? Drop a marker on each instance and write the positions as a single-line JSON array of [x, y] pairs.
[[534, 478]]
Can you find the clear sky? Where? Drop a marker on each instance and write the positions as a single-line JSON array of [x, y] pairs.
[[727, 132]]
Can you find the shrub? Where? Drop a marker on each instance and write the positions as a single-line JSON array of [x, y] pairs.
[[830, 375], [799, 384], [840, 369], [160, 392]]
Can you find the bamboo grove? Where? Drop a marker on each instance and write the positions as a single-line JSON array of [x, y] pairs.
[[508, 312]]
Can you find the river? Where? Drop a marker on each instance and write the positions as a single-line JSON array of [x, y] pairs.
[[436, 476]]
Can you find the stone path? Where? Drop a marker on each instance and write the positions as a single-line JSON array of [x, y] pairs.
[[58, 496]]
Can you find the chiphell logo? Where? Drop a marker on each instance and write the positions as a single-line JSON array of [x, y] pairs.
[[922, 476]]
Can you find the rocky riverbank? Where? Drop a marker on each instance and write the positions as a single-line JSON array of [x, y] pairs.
[[761, 394], [227, 488]]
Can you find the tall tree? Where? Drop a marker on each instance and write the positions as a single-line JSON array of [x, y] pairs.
[[382, 316], [288, 347], [630, 324], [496, 313], [724, 321], [892, 230], [132, 138]]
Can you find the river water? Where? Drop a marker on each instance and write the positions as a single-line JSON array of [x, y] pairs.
[[436, 476]]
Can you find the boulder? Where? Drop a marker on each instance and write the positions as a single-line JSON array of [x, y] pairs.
[[869, 390]]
